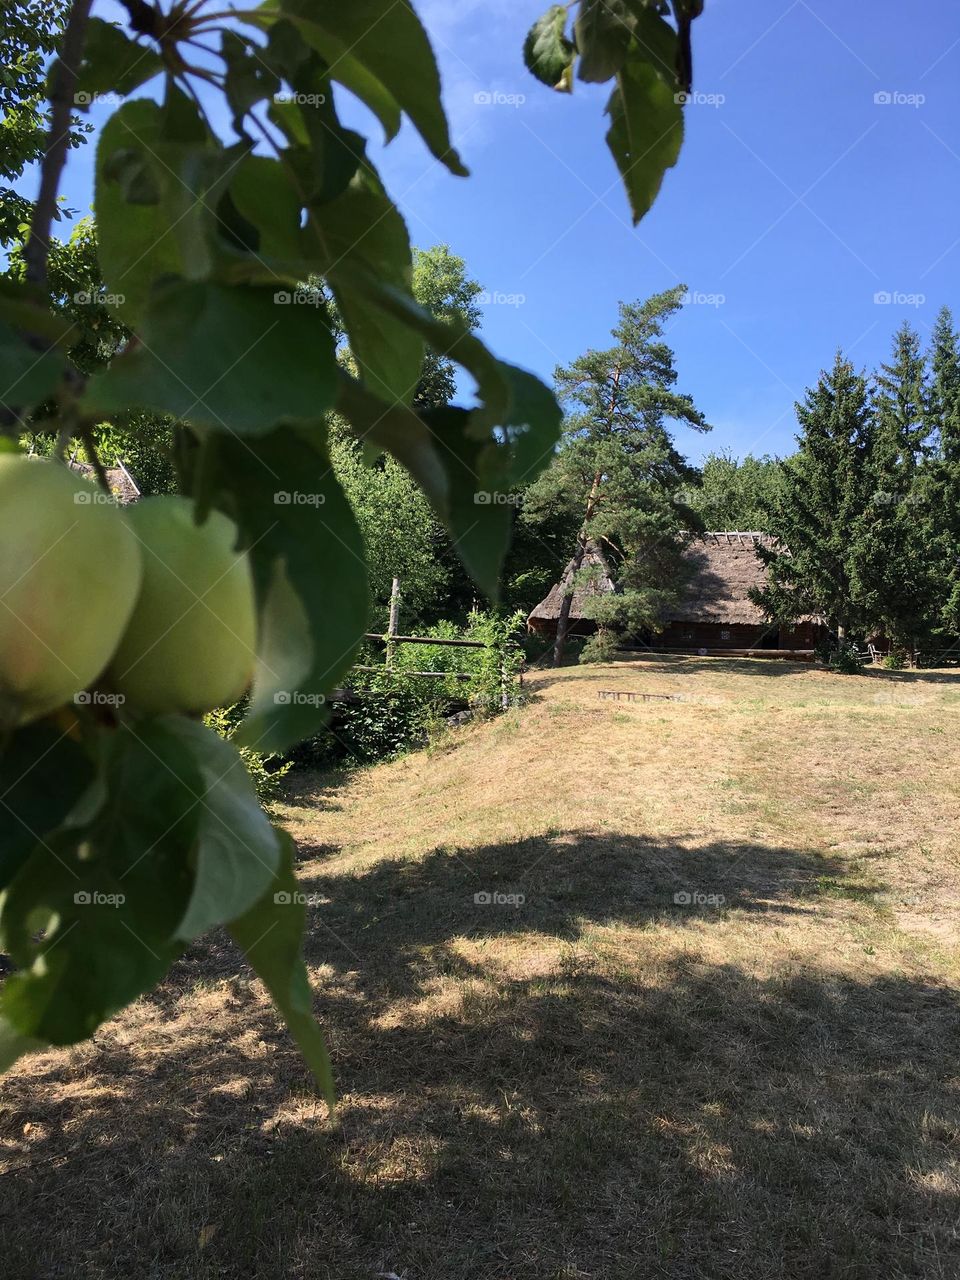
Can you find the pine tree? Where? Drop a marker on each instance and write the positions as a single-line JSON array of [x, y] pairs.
[[894, 580], [617, 465], [939, 479], [824, 490]]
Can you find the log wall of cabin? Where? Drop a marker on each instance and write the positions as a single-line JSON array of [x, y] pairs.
[[734, 635]]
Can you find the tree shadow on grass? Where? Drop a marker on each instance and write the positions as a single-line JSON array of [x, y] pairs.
[[563, 886], [651, 1113], [684, 666]]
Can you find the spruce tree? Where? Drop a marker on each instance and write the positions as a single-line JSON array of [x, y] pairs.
[[939, 477], [824, 490], [894, 579]]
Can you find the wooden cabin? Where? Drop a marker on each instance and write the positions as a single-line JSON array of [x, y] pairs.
[[714, 613]]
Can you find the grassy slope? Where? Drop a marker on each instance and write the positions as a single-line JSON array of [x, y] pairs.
[[598, 1083]]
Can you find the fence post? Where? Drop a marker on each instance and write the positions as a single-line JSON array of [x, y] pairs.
[[394, 624]]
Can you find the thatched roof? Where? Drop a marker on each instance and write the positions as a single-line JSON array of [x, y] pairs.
[[599, 583], [725, 567]]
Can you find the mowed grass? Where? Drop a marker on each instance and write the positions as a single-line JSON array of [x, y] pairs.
[[590, 1080]]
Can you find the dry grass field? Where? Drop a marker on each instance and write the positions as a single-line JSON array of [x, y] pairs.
[[595, 1080]]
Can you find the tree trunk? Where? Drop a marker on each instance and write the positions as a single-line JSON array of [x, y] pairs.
[[563, 618]]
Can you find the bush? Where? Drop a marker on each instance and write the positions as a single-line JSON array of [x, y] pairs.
[[266, 772], [397, 709], [602, 646], [845, 658]]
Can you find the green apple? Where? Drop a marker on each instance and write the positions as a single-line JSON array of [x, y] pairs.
[[190, 643], [69, 576]]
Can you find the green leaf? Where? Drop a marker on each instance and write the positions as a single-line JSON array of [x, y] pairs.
[[387, 41], [237, 854], [263, 193], [271, 935], [152, 212], [655, 41], [646, 131], [602, 29], [323, 154], [548, 53], [91, 917], [350, 72], [43, 774], [113, 63], [362, 231], [248, 79], [26, 307], [235, 358], [307, 552], [466, 465], [27, 375]]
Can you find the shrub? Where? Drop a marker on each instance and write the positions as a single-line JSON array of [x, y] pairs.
[[397, 709], [266, 771], [845, 658], [602, 646]]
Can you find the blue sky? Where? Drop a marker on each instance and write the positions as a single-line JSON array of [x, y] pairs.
[[799, 197]]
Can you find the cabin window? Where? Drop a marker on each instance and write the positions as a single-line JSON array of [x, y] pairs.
[[724, 634]]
